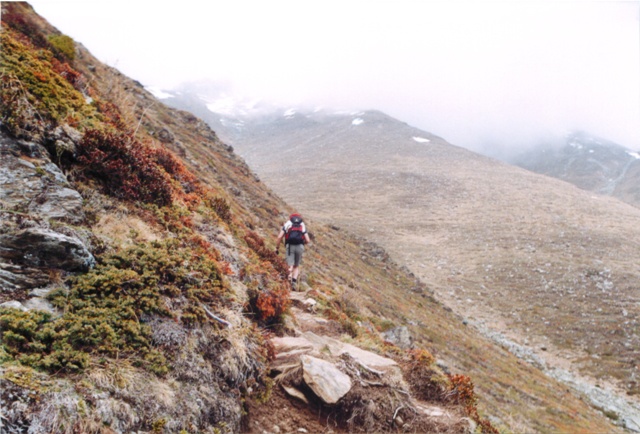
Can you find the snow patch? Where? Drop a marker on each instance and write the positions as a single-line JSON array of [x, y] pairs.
[[357, 121], [420, 139], [238, 124], [159, 93], [576, 144], [223, 106], [635, 155], [289, 113]]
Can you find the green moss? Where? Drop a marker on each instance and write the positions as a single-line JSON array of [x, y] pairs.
[[64, 46]]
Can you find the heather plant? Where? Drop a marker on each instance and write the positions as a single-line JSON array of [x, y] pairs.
[[256, 243], [23, 24], [268, 294], [221, 207], [461, 391], [124, 167], [265, 281]]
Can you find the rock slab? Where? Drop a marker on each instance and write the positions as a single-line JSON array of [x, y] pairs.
[[327, 382]]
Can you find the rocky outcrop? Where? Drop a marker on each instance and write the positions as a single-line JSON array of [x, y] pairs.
[[324, 372], [37, 204], [39, 247], [31, 183]]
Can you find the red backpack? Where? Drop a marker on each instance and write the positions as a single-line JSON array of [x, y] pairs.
[[295, 234]]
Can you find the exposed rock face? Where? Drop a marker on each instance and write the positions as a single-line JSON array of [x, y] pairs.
[[34, 193], [288, 349], [37, 247], [32, 184]]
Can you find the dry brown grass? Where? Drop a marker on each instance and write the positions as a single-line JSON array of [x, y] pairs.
[[123, 229]]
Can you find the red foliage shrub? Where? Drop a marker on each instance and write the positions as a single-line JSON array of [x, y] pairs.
[[426, 382], [14, 18], [271, 304], [256, 243], [269, 294], [461, 391], [111, 114], [75, 78], [221, 208], [176, 168], [124, 167]]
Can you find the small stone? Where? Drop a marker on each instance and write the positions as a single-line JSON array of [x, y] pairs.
[[276, 429], [292, 391]]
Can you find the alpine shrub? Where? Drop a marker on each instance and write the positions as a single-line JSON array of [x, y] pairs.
[[63, 46], [104, 309], [124, 167]]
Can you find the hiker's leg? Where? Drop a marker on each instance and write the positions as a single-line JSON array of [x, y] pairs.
[[295, 272], [291, 260]]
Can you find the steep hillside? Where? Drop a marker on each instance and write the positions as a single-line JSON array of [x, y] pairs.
[[545, 265], [591, 163], [139, 290]]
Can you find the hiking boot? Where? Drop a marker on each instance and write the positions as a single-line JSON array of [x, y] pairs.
[[294, 284]]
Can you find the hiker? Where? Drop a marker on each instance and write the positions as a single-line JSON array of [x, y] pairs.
[[295, 237]]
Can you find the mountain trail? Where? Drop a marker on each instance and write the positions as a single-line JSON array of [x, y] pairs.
[[377, 395]]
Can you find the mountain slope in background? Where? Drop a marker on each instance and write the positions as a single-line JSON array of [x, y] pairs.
[[139, 290], [591, 163], [549, 266]]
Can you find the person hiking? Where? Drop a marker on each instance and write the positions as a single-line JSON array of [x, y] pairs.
[[295, 236]]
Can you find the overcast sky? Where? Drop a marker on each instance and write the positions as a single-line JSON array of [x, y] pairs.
[[476, 72]]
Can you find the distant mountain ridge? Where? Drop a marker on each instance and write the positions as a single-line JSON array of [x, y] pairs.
[[589, 162]]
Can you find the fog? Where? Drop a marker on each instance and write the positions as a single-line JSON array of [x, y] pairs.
[[479, 74]]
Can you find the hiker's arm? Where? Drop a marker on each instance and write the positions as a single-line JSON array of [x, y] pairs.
[[307, 239], [280, 236]]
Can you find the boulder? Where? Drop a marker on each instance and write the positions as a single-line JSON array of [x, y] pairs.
[[325, 379], [399, 336], [14, 277]]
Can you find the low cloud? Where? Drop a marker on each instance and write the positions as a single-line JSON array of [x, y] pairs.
[[475, 73]]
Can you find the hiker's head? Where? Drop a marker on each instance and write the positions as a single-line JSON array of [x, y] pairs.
[[294, 215]]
